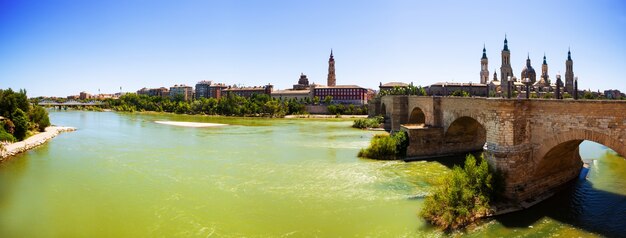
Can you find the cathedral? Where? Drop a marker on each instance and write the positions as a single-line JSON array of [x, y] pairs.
[[508, 81]]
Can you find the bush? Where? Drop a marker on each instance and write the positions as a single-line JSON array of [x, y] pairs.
[[463, 197], [39, 116], [366, 123], [5, 136], [386, 147], [21, 124]]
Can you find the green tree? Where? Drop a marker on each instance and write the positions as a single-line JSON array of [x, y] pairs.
[[21, 124], [328, 99], [39, 116]]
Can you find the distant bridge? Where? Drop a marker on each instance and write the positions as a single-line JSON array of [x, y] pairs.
[[70, 103], [534, 142]]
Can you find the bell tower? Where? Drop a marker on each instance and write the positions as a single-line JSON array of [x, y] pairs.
[[331, 70], [484, 71], [569, 73], [505, 69]]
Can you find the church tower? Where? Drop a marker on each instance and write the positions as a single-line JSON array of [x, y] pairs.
[[331, 70], [544, 71], [505, 69], [569, 73], [484, 71]]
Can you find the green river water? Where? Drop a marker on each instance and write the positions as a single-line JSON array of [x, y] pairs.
[[122, 175]]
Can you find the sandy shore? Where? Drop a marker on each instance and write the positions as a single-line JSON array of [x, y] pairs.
[[32, 142], [189, 124]]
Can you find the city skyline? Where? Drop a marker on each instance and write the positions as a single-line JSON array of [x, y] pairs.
[[61, 48]]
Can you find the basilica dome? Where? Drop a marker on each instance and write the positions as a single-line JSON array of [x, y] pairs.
[[529, 72]]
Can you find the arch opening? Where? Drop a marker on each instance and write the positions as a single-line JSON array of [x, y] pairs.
[[417, 117], [566, 155], [465, 134]]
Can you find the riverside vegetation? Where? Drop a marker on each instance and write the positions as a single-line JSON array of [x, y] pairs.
[[463, 196], [387, 147], [20, 119], [364, 123], [231, 105]]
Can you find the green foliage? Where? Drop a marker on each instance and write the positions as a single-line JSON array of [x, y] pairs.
[[19, 115], [386, 147], [548, 96], [408, 90], [460, 93], [463, 196], [21, 124], [363, 123], [588, 95], [567, 95], [350, 109], [328, 99], [229, 105], [6, 136], [39, 116]]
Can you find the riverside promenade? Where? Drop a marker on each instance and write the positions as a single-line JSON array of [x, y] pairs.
[[12, 149]]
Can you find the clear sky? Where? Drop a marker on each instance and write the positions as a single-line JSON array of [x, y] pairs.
[[59, 48]]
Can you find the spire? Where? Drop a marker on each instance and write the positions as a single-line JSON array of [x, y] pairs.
[[506, 43], [544, 58], [331, 53], [528, 60], [484, 52], [569, 54]]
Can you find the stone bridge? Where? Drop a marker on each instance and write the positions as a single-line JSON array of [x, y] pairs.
[[534, 143]]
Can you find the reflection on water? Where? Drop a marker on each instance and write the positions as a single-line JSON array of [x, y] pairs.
[[122, 175]]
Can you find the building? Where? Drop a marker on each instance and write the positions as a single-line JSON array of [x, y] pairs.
[[84, 95], [445, 89], [517, 86], [505, 69], [344, 94], [184, 90], [202, 89], [613, 94], [484, 67], [158, 92], [391, 85], [249, 91], [303, 83], [528, 72], [569, 73], [332, 80], [300, 91]]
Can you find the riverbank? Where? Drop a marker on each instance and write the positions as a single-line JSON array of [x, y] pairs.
[[325, 116], [12, 149]]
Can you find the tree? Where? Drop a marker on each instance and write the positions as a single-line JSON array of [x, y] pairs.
[[328, 99], [39, 116], [21, 124]]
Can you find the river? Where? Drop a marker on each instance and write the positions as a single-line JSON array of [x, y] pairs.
[[123, 175]]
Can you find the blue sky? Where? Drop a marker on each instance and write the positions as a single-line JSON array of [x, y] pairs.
[[59, 48]]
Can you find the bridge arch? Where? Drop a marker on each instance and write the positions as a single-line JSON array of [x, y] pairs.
[[465, 134], [561, 151], [417, 116]]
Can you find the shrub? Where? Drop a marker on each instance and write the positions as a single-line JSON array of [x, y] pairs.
[[463, 197], [21, 124], [366, 123], [39, 116], [5, 136], [386, 147]]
